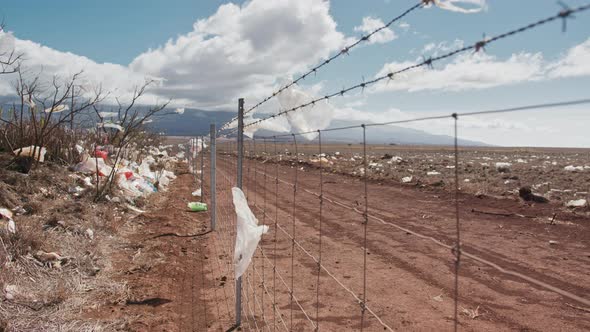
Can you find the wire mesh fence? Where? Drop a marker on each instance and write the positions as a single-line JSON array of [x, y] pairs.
[[364, 235], [350, 238]]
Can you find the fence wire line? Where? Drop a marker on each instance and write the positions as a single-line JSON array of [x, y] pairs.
[[278, 226], [477, 46], [451, 247], [445, 116], [344, 51], [289, 290]]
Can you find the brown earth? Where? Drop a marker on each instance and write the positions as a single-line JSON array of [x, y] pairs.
[[410, 279], [186, 283]]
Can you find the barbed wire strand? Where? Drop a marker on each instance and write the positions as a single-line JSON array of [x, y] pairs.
[[477, 46], [342, 52], [534, 107]]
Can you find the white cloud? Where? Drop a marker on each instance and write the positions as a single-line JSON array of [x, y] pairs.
[[576, 62], [45, 62], [371, 24], [466, 71], [481, 70], [238, 51], [241, 51]]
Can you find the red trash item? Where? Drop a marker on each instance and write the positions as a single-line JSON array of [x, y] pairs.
[[128, 175], [101, 154]]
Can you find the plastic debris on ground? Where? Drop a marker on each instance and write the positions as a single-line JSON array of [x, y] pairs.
[[197, 192], [577, 203], [197, 206], [248, 232], [134, 177], [30, 150], [6, 214]]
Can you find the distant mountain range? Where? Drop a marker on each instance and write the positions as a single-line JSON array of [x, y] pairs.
[[194, 122]]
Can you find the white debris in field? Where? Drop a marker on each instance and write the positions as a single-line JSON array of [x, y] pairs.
[[577, 203], [90, 233], [10, 292], [503, 167], [396, 159], [571, 168], [32, 151], [336, 153], [6, 214], [407, 179], [432, 173], [521, 161], [466, 180], [552, 242], [57, 109], [450, 166], [197, 192]]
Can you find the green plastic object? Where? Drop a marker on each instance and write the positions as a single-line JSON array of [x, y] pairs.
[[197, 206]]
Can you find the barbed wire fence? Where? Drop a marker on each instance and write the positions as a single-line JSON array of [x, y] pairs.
[[295, 274]]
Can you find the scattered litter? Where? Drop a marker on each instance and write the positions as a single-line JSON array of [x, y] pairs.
[[438, 298], [433, 173], [577, 203], [248, 233], [10, 292], [90, 234], [503, 167], [51, 259], [407, 179], [197, 206], [110, 125], [7, 215], [57, 109], [466, 180], [134, 209], [572, 168], [197, 192], [30, 150], [552, 242]]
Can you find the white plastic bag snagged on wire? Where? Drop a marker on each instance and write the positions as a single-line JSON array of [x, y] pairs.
[[248, 232]]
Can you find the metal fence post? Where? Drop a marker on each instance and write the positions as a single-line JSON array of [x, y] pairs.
[[202, 165], [212, 181], [239, 185]]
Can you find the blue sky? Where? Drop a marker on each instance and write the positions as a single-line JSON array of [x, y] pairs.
[[124, 32]]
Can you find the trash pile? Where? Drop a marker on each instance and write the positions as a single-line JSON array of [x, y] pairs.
[[136, 175]]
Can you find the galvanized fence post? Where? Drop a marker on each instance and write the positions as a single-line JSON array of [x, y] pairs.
[[212, 181], [202, 166], [239, 185]]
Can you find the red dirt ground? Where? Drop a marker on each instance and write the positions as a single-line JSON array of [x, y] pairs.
[[410, 280]]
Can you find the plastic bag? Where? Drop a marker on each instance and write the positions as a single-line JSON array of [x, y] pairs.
[[248, 232], [28, 152]]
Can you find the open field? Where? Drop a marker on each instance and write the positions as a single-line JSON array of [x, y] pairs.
[[513, 251]]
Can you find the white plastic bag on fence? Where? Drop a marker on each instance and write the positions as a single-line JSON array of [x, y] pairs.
[[248, 232]]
